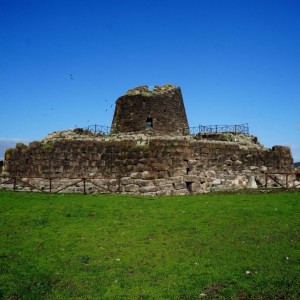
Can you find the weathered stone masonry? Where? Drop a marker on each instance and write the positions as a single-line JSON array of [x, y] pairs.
[[163, 107], [156, 167], [150, 151]]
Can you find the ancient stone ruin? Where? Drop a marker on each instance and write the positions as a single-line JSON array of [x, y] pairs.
[[149, 151], [161, 110]]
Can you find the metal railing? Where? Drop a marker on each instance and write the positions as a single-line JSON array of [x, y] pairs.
[[235, 129], [54, 185], [200, 129], [85, 185], [281, 179], [98, 129]]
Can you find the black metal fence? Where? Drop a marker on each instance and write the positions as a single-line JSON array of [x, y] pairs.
[[200, 129], [241, 128], [98, 129]]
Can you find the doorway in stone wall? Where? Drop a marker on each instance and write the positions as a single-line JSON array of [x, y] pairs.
[[189, 186]]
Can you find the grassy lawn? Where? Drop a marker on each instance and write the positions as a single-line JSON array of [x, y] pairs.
[[215, 246]]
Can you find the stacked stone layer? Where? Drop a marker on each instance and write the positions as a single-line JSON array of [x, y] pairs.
[[149, 152], [164, 106], [149, 166]]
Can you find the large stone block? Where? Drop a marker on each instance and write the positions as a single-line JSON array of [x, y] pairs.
[[148, 189], [163, 174], [175, 179], [160, 166], [163, 192], [143, 167], [113, 188], [177, 172], [136, 175], [251, 182], [181, 192], [126, 180], [132, 188], [179, 185], [190, 178], [142, 182], [149, 175], [160, 182]]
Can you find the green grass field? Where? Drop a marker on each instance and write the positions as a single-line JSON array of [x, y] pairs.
[[215, 246]]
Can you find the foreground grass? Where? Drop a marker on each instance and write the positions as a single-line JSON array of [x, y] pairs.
[[125, 247]]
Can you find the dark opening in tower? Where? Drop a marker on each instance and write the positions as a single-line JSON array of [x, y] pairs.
[[189, 186], [149, 123]]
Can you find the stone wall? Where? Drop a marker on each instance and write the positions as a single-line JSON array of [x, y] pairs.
[[163, 108], [151, 166], [149, 151]]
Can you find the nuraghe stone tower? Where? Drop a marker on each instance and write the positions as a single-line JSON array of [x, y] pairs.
[[149, 152], [161, 110]]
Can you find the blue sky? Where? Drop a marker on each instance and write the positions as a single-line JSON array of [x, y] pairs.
[[236, 61]]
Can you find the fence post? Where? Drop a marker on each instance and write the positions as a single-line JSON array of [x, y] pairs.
[[84, 191], [50, 185], [119, 184]]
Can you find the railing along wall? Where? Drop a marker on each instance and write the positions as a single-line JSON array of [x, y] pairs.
[[235, 129], [281, 179], [273, 180], [200, 129], [17, 183], [98, 129]]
